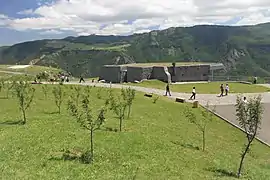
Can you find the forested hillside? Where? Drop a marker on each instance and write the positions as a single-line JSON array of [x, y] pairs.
[[245, 50]]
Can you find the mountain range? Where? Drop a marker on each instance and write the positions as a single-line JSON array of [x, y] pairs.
[[244, 50]]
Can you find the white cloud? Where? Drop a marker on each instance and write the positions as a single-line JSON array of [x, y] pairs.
[[112, 16], [254, 18], [26, 12], [3, 20], [51, 31]]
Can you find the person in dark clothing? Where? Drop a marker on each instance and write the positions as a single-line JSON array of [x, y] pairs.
[[221, 90], [255, 80], [168, 90], [193, 96], [81, 79]]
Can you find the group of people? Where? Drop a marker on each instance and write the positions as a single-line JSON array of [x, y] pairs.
[[168, 92], [223, 91]]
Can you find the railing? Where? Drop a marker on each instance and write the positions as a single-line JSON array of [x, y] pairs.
[[260, 80]]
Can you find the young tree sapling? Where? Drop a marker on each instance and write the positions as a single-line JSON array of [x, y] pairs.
[[45, 90], [59, 94], [2, 84], [25, 94], [249, 115], [128, 95], [119, 105], [89, 119], [77, 92], [201, 122]]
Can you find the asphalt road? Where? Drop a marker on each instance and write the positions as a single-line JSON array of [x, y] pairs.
[[229, 112]]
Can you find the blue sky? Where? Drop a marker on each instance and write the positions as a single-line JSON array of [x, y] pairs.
[[25, 20], [11, 8]]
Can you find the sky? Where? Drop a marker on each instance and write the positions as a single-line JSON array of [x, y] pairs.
[[26, 20]]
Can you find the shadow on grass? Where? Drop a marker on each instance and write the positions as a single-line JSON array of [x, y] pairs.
[[72, 155], [222, 172], [185, 145], [110, 129], [51, 113], [12, 123], [3, 97]]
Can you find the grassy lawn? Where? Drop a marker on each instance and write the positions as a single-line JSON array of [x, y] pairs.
[[157, 143], [205, 88], [81, 46], [16, 76]]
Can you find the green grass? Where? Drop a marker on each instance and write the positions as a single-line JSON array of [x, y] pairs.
[[205, 88], [81, 46], [11, 77], [156, 144]]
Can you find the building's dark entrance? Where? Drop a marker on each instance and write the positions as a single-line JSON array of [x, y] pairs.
[[123, 76]]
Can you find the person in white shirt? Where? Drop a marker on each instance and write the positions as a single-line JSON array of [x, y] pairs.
[[193, 96], [245, 100], [227, 89]]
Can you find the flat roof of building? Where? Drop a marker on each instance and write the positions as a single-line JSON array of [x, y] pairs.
[[213, 66], [165, 64]]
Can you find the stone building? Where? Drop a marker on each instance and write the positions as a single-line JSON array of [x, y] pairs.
[[165, 73]]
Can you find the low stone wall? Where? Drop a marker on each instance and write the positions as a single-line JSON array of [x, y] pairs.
[[190, 73], [138, 73], [119, 74]]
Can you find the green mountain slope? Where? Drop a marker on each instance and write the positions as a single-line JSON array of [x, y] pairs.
[[245, 50]]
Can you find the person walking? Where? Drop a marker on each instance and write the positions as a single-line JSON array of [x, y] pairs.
[[81, 79], [221, 90], [227, 89], [193, 96], [168, 90]]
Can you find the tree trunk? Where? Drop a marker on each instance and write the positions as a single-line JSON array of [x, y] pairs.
[[24, 116], [243, 157], [203, 134], [120, 124], [91, 143], [129, 107], [59, 110]]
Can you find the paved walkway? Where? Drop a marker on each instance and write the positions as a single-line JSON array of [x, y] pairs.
[[11, 72], [211, 99]]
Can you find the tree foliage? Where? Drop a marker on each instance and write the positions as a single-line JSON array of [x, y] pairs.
[[119, 106], [249, 115], [128, 96], [25, 94], [59, 94], [45, 90], [2, 84], [8, 85], [77, 93]]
